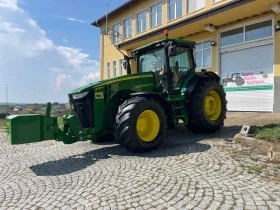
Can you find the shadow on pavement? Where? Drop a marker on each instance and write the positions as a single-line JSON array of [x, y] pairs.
[[177, 142]]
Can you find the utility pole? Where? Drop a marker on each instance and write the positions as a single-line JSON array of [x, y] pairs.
[[5, 109], [7, 94]]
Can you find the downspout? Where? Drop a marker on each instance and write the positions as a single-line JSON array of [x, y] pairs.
[[101, 52]]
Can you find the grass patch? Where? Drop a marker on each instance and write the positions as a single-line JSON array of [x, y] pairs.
[[255, 170], [3, 123], [268, 132], [255, 159]]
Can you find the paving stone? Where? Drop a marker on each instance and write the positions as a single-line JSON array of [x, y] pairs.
[[197, 175]]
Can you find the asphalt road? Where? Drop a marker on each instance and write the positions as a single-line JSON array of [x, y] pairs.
[[188, 171]]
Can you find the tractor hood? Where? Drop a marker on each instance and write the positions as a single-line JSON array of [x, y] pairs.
[[129, 77], [85, 88]]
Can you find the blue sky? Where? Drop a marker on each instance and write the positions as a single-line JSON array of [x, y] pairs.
[[48, 47]]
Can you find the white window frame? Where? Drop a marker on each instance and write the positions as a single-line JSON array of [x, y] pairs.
[[242, 46], [114, 68], [245, 43], [115, 37], [202, 50], [216, 1], [108, 70], [196, 9], [156, 14], [176, 16], [143, 20], [120, 67], [124, 27]]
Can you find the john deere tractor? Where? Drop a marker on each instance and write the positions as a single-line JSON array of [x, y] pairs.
[[135, 109]]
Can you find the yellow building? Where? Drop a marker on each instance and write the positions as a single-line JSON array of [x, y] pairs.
[[237, 39]]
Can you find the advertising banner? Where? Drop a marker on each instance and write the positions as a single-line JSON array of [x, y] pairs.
[[247, 78]]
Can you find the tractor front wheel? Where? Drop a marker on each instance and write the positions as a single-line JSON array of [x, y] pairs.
[[207, 107], [140, 124]]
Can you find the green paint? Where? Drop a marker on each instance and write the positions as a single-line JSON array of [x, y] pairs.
[[249, 88], [29, 128]]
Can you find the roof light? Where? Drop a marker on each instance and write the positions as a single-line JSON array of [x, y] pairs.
[[166, 33]]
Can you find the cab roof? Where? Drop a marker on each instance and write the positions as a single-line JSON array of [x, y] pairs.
[[161, 43]]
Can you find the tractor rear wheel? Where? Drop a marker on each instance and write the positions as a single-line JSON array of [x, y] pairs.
[[207, 107], [140, 124], [239, 81]]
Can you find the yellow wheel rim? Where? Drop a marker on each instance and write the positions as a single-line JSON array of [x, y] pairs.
[[213, 105], [147, 125]]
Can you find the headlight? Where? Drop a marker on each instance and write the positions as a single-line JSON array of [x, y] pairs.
[[79, 95]]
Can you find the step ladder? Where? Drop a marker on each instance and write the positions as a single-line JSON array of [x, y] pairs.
[[179, 113]]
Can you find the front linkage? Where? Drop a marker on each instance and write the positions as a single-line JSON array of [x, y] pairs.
[[32, 128]]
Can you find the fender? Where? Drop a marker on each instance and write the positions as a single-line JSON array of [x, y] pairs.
[[198, 77], [112, 105]]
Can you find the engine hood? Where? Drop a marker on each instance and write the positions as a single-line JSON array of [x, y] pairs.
[[110, 81]]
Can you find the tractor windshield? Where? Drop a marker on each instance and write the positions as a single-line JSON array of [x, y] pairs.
[[152, 61]]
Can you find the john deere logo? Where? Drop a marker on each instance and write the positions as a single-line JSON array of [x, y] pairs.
[[99, 95]]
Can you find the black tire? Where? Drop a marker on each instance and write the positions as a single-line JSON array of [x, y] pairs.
[[239, 81], [203, 119], [132, 113]]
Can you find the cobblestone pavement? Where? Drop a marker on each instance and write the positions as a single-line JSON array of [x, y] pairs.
[[189, 171]]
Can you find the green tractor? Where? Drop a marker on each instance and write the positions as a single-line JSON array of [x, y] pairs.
[[135, 109]]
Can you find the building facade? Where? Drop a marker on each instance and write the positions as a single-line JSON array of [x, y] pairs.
[[237, 39]]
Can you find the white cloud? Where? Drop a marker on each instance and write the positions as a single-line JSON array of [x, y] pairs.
[[32, 22], [74, 56], [10, 28], [43, 44], [89, 78], [61, 79], [10, 4], [75, 20], [33, 66]]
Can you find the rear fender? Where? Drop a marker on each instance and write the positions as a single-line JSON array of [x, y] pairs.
[[195, 80]]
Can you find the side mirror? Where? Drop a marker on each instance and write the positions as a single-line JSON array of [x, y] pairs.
[[125, 65], [172, 50]]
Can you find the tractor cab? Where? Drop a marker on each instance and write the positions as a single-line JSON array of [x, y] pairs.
[[170, 60]]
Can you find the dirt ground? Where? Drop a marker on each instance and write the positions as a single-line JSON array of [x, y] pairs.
[[264, 156], [251, 118]]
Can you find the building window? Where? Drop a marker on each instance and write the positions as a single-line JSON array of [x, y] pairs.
[[114, 68], [203, 52], [231, 37], [116, 32], [193, 5], [215, 1], [127, 29], [175, 9], [247, 33], [156, 15], [120, 67], [258, 31], [141, 23], [108, 70]]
